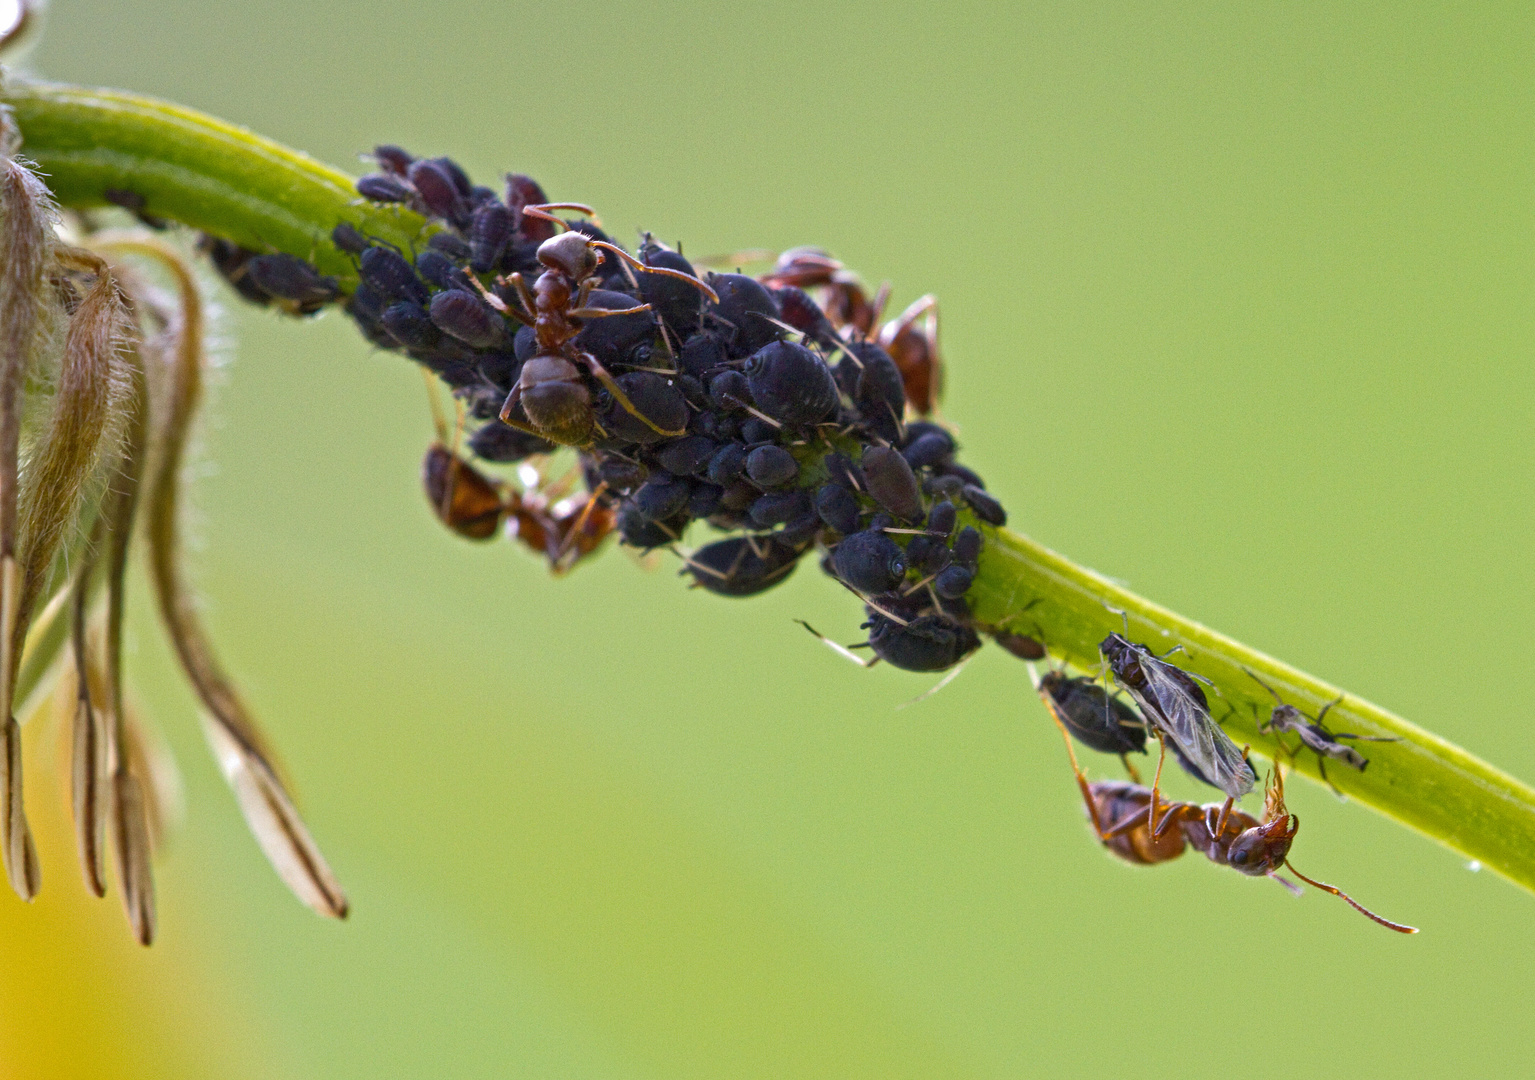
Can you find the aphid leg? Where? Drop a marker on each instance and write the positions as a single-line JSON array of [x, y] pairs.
[[1321, 769], [600, 373], [840, 650], [1400, 928], [945, 681]]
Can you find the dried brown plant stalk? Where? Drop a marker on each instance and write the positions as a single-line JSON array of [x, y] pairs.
[[101, 377]]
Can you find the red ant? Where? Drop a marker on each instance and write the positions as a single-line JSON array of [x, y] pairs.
[[844, 301], [911, 338], [473, 506], [550, 391], [913, 345], [1122, 812]]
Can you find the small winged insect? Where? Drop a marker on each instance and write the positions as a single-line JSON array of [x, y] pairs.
[[1176, 706], [1314, 735], [1121, 814], [1094, 717]]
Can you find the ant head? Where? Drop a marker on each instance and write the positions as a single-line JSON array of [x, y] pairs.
[[570, 254], [1262, 849]]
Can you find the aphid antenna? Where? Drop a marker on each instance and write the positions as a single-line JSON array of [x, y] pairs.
[[841, 650], [892, 616], [794, 331], [945, 681], [919, 584]]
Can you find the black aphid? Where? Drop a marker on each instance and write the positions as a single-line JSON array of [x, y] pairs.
[[387, 272], [288, 278], [985, 507], [489, 233], [742, 565], [771, 466], [837, 507], [953, 582], [384, 188], [870, 562], [688, 456], [464, 315], [791, 384], [746, 315], [892, 483], [1094, 717], [661, 497], [926, 643]]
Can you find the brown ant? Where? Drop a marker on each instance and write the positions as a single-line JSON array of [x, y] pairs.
[[843, 298], [550, 391], [463, 498], [1122, 812], [564, 530], [911, 339]]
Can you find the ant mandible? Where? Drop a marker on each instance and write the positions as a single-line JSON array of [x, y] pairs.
[[1225, 835], [550, 390]]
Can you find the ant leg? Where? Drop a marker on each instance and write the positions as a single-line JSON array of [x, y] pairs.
[[505, 416], [1156, 781], [1087, 794], [604, 313], [1130, 769], [600, 373], [1220, 822], [569, 539], [1400, 928]]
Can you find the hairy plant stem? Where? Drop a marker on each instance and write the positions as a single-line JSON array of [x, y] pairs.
[[227, 181]]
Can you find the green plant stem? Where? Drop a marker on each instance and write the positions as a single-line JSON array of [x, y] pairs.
[[199, 171], [212, 176]]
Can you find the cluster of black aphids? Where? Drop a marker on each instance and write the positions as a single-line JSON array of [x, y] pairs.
[[759, 415]]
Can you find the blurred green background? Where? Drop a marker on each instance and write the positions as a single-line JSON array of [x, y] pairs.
[[1237, 301]]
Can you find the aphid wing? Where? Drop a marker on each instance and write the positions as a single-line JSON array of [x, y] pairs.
[[1188, 723]]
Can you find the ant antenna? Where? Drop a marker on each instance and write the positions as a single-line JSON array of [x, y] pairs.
[[1400, 928], [697, 283], [541, 210]]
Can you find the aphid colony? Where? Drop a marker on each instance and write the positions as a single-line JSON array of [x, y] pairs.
[[791, 422], [745, 403]]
